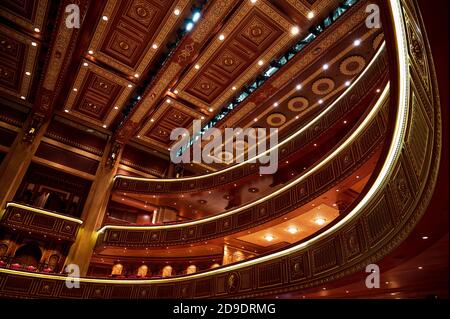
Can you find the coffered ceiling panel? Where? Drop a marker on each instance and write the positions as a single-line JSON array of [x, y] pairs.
[[125, 40], [29, 14], [97, 95], [170, 114], [17, 62], [248, 41]]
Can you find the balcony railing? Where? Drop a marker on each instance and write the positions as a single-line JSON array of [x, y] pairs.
[[43, 222]]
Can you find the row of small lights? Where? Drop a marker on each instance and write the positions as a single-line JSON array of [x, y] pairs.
[[325, 67], [33, 43], [294, 31], [177, 12]]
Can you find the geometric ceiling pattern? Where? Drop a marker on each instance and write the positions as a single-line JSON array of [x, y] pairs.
[[97, 95]]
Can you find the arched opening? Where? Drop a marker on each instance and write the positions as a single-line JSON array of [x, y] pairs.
[[142, 271], [167, 271], [29, 254], [117, 270], [191, 269]]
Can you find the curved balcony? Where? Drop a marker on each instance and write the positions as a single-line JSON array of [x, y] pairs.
[[39, 221], [312, 129], [399, 191], [337, 165]]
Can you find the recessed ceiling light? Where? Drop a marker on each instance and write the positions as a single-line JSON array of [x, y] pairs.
[[425, 237], [233, 88], [260, 62], [345, 122], [189, 26], [325, 66], [154, 46], [347, 83], [297, 117], [197, 66], [28, 73], [255, 120], [140, 137], [210, 110], [268, 237], [253, 1], [196, 16], [420, 267], [221, 37], [298, 87], [295, 30], [104, 126], [105, 18], [202, 117], [168, 100], [136, 75], [175, 91], [67, 111], [152, 120], [33, 43], [292, 229], [315, 145], [37, 30], [116, 107], [319, 221], [310, 14], [75, 89], [378, 90], [91, 52], [357, 42], [130, 85], [85, 64], [320, 101], [275, 104], [176, 12], [22, 97]]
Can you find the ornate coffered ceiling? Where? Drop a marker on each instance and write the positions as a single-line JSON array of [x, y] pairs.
[[28, 14], [18, 54], [253, 36], [169, 115], [97, 95], [134, 32]]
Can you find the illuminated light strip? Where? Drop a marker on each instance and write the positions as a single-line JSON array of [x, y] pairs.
[[44, 212], [391, 159], [285, 141], [373, 112]]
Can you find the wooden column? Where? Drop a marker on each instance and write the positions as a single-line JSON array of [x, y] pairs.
[[94, 209], [18, 159]]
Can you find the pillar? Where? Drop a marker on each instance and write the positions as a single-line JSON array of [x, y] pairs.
[[95, 209], [18, 159]]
